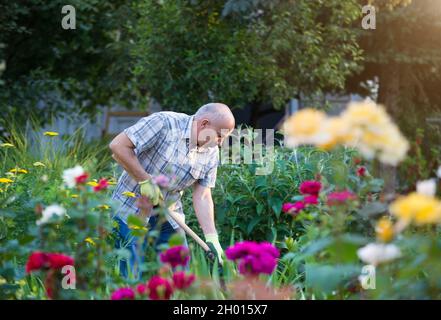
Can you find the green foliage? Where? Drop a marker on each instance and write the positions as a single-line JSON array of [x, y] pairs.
[[188, 53]]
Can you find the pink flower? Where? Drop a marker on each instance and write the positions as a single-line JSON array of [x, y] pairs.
[[81, 179], [102, 185], [293, 208], [176, 256], [159, 288], [254, 258], [338, 198], [311, 187], [123, 294], [182, 280], [310, 200], [361, 171], [162, 180]]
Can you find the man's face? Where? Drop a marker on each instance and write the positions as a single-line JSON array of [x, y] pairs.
[[212, 134]]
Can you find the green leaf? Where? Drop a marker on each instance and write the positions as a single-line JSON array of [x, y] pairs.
[[253, 223], [373, 209], [276, 204]]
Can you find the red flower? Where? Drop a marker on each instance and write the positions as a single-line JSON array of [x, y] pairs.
[[176, 256], [310, 187], [40, 260], [58, 261], [159, 288], [36, 261], [102, 185], [361, 171], [81, 179], [182, 280], [310, 200], [123, 294], [338, 198]]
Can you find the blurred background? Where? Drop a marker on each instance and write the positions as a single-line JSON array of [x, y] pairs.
[[265, 59]]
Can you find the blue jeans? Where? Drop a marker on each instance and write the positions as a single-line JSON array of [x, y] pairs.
[[131, 243]]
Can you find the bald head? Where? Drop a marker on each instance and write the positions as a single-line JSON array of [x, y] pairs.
[[214, 122], [218, 113]]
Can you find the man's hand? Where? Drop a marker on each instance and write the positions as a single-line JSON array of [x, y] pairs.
[[213, 238], [151, 191]]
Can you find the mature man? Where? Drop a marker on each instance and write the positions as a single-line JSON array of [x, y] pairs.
[[178, 145]]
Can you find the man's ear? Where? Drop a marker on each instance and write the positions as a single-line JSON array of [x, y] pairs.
[[205, 123]]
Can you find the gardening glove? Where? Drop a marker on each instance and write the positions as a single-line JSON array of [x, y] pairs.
[[212, 240], [151, 191]]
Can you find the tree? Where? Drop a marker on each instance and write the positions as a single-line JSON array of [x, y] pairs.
[[403, 54], [49, 70], [264, 52]]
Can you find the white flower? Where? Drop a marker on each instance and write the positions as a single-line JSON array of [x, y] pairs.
[[69, 175], [438, 172], [426, 187], [376, 253], [49, 212]]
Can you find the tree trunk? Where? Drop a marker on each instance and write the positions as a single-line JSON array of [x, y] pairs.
[[389, 96]]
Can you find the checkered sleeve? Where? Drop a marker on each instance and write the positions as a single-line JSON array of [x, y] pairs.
[[146, 132], [209, 180]]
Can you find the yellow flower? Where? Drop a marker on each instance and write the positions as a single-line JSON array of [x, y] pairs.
[[92, 183], [305, 127], [18, 170], [337, 131], [90, 240], [104, 207], [74, 196], [39, 164], [51, 133], [7, 145], [373, 132], [385, 230], [6, 180], [420, 208], [133, 227], [129, 194], [111, 182]]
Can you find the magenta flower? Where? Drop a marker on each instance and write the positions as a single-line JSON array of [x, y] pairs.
[[141, 289], [310, 200], [181, 280], [254, 258], [254, 265], [293, 208], [241, 249], [123, 294], [159, 288], [176, 256], [311, 187], [341, 197]]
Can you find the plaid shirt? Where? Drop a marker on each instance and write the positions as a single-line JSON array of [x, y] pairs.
[[162, 147]]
